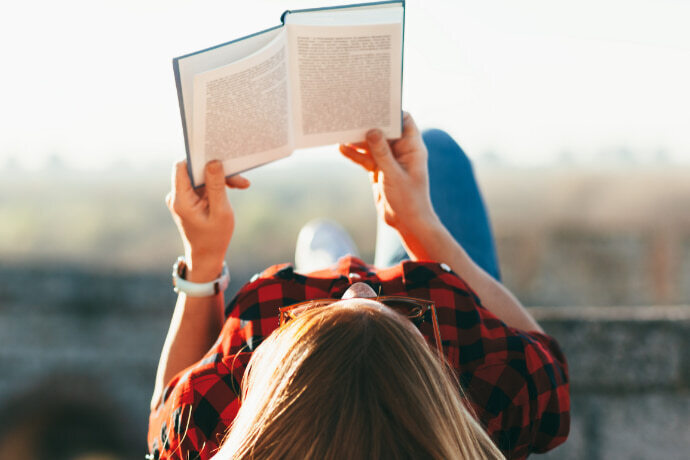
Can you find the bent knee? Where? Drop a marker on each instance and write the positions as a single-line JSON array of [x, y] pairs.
[[440, 143]]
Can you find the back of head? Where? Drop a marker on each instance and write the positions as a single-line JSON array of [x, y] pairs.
[[352, 380]]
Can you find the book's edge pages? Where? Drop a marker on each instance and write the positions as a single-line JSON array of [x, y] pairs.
[[344, 137], [402, 66], [180, 93], [211, 48], [341, 7], [250, 162], [178, 85]]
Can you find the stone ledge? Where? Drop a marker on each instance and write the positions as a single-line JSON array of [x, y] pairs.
[[612, 313], [619, 350]]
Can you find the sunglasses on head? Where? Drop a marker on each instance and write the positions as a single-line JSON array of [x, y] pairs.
[[421, 312]]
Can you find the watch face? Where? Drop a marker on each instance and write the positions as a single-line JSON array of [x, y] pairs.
[[181, 267]]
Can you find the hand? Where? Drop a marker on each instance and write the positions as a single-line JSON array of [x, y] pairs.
[[204, 218], [399, 175]]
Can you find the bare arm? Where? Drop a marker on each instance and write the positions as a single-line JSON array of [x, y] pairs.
[[432, 241], [205, 221], [400, 181], [195, 325]]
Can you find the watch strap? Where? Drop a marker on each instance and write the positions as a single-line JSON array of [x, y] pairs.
[[191, 289]]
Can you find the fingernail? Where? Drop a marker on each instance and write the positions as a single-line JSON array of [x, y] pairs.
[[374, 135]]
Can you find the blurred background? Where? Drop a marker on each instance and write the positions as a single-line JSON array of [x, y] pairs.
[[575, 114]]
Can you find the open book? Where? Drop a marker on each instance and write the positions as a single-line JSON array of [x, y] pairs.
[[323, 76]]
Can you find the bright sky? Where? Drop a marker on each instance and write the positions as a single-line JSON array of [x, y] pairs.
[[529, 80]]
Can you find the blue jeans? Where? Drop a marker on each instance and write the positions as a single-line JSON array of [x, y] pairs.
[[458, 203]]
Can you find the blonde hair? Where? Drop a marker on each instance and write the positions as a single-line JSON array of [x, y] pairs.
[[352, 380]]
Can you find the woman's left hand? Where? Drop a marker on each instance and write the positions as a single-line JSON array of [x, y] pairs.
[[204, 218]]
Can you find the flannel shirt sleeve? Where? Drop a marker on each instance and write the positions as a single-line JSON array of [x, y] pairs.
[[201, 402], [516, 381], [196, 409], [523, 399]]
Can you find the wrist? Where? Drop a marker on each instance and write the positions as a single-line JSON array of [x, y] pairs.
[[202, 269], [195, 287], [419, 237], [419, 227]]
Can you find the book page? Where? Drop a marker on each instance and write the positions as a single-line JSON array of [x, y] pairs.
[[241, 112], [348, 80], [208, 59]]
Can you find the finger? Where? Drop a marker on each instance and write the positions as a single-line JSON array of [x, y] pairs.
[[381, 152], [409, 126], [215, 186], [168, 200], [363, 159], [237, 181], [180, 178]]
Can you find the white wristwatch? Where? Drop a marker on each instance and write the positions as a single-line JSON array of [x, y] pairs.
[[180, 284]]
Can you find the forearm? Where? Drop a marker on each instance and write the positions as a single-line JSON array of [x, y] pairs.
[[429, 239], [205, 221], [194, 327]]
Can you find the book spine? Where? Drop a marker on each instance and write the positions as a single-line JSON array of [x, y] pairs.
[[178, 84]]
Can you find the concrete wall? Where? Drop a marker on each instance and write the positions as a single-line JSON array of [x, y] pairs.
[[630, 380], [70, 332], [100, 334]]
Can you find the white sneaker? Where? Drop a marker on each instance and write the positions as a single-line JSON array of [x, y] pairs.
[[320, 243]]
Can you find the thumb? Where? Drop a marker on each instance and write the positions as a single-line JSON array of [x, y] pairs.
[[381, 152], [215, 186]]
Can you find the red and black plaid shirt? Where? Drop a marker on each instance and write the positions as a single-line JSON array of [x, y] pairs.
[[517, 381]]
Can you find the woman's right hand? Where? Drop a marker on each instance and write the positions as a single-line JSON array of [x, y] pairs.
[[399, 176], [204, 218]]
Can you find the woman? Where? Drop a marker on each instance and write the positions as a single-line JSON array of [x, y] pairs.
[[352, 380]]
